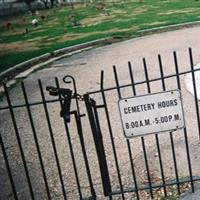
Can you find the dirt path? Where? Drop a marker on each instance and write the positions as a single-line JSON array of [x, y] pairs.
[[86, 67]]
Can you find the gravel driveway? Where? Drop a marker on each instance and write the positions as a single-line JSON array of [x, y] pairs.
[[85, 67]]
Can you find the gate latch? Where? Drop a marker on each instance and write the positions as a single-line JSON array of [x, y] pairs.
[[66, 95]]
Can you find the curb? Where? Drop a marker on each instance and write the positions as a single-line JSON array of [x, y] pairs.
[[10, 73], [168, 28], [191, 196], [25, 73]]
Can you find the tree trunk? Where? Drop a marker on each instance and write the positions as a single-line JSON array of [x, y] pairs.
[[52, 3], [45, 5], [29, 6]]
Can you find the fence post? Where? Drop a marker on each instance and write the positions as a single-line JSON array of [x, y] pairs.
[[98, 141]]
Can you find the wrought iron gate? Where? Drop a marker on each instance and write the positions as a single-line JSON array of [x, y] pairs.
[[96, 161]]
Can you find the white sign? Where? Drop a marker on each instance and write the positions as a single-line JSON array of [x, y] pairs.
[[152, 113]]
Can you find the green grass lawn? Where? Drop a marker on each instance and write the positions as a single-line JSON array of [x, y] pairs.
[[56, 31]]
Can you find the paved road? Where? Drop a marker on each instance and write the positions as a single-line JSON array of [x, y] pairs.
[[192, 196], [86, 68], [103, 58]]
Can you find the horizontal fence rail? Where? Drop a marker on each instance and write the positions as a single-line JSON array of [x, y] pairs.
[[145, 81], [107, 89]]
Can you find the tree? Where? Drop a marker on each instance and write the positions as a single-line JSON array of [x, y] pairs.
[[52, 3], [45, 2], [28, 3]]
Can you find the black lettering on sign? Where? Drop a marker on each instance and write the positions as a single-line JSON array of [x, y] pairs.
[[125, 110], [170, 118], [137, 124], [156, 120], [166, 119], [135, 109], [134, 124], [176, 117], [127, 125], [139, 108], [166, 104], [147, 122]]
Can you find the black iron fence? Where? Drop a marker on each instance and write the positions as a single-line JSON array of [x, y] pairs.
[[87, 156]]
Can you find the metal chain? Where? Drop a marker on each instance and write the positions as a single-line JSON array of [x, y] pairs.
[[78, 96]]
